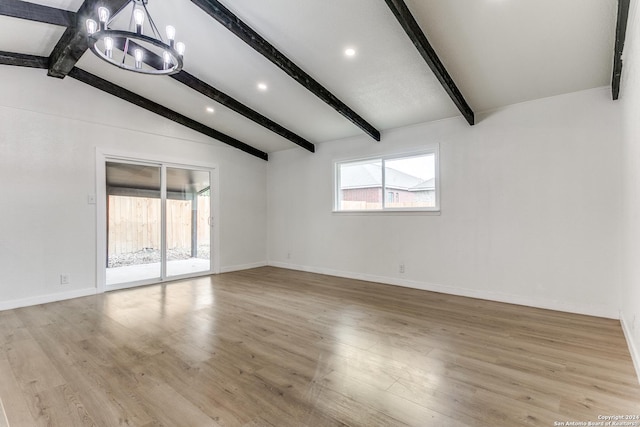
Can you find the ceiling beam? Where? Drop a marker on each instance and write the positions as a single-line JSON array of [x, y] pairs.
[[155, 61], [229, 102], [37, 12], [156, 108], [419, 39], [73, 43], [621, 33], [22, 60], [230, 21]]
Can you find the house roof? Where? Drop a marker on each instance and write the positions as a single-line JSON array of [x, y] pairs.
[[429, 184], [367, 175], [124, 176]]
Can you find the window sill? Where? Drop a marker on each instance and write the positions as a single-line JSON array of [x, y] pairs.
[[389, 212]]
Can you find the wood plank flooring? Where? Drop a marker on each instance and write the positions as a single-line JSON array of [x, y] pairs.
[[273, 347]]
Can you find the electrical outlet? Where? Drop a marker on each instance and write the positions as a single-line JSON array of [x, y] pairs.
[[64, 279], [401, 267], [288, 255]]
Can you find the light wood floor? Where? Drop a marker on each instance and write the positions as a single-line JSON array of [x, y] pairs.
[[272, 347]]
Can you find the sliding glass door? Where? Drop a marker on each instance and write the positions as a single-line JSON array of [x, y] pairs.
[[188, 213], [158, 222]]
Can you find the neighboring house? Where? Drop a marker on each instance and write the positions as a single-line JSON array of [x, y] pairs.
[[425, 192], [361, 188]]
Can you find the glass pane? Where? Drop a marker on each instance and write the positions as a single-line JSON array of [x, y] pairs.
[[360, 186], [188, 212], [410, 182], [133, 213]]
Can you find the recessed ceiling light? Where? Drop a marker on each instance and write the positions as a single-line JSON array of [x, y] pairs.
[[350, 52], [262, 86], [210, 110]]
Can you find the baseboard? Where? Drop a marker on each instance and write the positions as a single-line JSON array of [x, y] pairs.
[[43, 299], [597, 311], [241, 267], [635, 356]]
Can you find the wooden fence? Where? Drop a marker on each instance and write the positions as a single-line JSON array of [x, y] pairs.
[[134, 223]]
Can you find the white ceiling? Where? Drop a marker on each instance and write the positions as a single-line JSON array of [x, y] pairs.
[[32, 38], [499, 52]]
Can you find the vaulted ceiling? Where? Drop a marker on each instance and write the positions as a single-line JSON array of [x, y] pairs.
[[486, 54]]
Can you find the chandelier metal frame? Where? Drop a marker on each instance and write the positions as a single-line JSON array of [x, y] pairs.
[[133, 46]]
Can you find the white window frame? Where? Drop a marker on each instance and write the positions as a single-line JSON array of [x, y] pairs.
[[435, 150]]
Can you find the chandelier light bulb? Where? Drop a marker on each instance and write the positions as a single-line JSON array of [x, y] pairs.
[[138, 55], [138, 17], [92, 26], [108, 47], [180, 48], [103, 14], [171, 33], [167, 59]]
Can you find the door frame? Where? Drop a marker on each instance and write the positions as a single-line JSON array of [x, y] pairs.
[[102, 157]]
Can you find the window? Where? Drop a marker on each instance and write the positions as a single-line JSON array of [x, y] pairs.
[[398, 183]]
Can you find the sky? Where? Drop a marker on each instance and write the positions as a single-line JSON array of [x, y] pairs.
[[421, 166]]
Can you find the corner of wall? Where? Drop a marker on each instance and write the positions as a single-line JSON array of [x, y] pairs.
[[630, 226], [635, 355], [232, 268]]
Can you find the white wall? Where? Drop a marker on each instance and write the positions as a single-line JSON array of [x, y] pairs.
[[49, 132], [530, 208], [630, 98], [531, 197]]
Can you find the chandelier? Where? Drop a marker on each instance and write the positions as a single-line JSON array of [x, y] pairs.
[[129, 49]]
